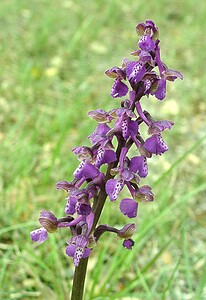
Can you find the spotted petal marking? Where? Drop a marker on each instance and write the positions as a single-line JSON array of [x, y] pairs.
[[135, 71], [113, 188], [125, 132], [162, 144], [78, 171], [99, 157], [155, 144], [39, 235], [78, 255]]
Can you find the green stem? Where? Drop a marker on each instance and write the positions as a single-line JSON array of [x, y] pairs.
[[79, 279]]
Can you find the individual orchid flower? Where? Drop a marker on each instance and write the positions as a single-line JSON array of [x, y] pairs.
[[119, 89], [124, 233], [126, 174], [104, 156], [99, 136], [155, 144], [78, 245], [77, 248], [135, 70], [49, 225], [165, 74], [125, 124], [148, 28], [159, 126], [86, 170]]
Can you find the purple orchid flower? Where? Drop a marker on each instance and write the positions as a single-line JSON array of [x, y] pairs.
[[165, 74], [135, 70], [119, 89], [78, 245], [147, 28], [49, 224], [99, 136], [126, 173], [125, 125], [86, 170], [78, 249], [104, 156], [155, 144]]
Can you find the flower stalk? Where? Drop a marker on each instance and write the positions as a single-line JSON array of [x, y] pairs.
[[88, 191]]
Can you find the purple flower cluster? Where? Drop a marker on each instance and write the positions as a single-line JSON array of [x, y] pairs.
[[142, 77]]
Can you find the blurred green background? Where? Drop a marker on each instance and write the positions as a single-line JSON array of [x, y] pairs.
[[53, 55]]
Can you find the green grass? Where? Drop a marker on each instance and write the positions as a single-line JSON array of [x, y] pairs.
[[53, 55]]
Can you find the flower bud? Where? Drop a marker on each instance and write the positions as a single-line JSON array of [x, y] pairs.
[[144, 194], [48, 221], [159, 126], [100, 115], [64, 185], [140, 29], [83, 153], [127, 231]]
